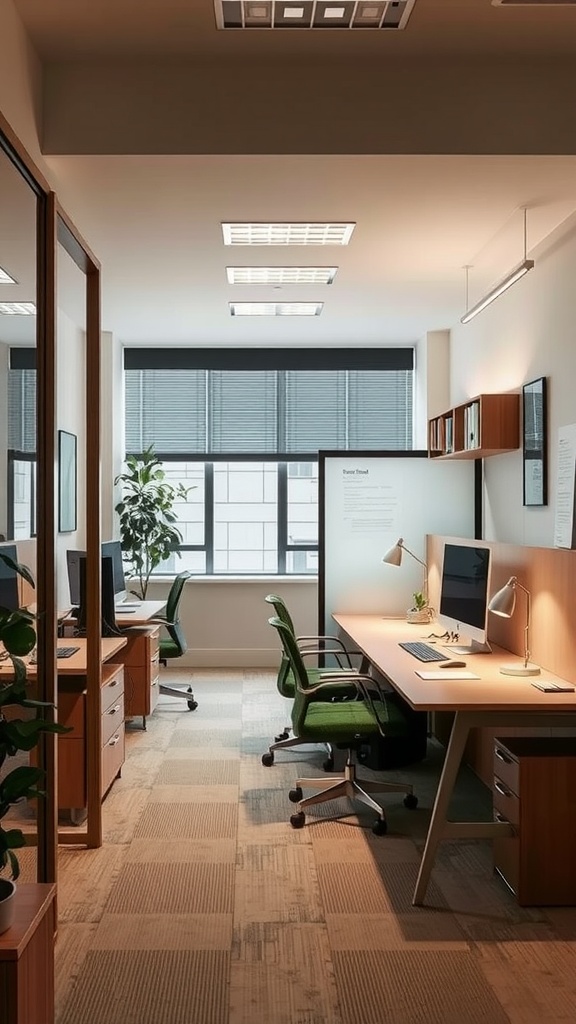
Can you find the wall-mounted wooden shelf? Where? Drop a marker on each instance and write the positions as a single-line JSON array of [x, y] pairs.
[[483, 426]]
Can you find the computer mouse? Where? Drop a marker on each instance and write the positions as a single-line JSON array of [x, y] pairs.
[[453, 664]]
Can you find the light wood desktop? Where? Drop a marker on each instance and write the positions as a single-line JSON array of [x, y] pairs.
[[493, 700], [143, 612], [75, 664]]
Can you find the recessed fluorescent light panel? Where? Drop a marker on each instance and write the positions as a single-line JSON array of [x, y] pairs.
[[18, 308], [281, 275], [275, 308], [5, 277], [314, 14], [287, 233]]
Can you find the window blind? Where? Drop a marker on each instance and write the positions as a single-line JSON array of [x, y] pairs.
[[22, 410], [293, 409]]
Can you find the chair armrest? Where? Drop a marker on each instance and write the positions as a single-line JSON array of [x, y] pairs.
[[337, 654], [305, 641]]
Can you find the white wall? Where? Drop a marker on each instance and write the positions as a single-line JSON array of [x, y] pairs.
[[528, 332], [225, 622], [70, 416]]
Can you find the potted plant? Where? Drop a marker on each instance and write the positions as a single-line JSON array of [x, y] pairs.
[[420, 610], [17, 639], [148, 532]]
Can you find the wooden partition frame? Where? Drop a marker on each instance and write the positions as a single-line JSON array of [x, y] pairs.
[[548, 573], [45, 595], [79, 251], [55, 228]]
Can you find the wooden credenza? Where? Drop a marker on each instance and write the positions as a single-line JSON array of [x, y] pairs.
[[140, 657], [72, 761], [27, 958], [533, 789]]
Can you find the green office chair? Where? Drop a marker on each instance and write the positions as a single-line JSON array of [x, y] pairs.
[[174, 645], [310, 646], [347, 724]]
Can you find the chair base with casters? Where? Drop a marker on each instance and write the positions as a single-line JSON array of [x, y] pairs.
[[348, 785], [296, 741], [174, 644], [176, 691]]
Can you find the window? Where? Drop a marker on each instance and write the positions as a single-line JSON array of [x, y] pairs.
[[243, 429]]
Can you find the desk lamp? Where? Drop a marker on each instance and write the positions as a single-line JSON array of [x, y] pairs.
[[503, 603], [394, 557]]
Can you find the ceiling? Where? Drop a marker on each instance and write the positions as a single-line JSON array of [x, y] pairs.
[[154, 221], [61, 29]]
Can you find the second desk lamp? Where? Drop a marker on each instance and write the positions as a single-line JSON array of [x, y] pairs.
[[503, 603]]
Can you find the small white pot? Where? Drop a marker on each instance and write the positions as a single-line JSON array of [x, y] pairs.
[[7, 903]]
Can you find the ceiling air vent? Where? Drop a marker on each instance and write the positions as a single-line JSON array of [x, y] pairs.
[[534, 3], [313, 14]]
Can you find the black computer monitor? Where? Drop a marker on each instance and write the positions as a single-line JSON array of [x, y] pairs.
[[110, 549], [113, 549], [9, 580], [464, 592], [108, 612]]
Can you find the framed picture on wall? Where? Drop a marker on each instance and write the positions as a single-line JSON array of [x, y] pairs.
[[535, 442], [67, 513]]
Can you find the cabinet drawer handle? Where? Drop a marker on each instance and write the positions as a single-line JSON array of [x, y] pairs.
[[114, 710], [500, 817], [502, 756], [113, 741], [113, 682], [501, 788]]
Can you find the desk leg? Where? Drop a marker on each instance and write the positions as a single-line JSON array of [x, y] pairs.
[[436, 828]]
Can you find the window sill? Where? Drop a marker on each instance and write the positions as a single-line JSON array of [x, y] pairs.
[[268, 580]]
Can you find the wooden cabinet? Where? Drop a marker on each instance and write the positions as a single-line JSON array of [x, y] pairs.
[[485, 425], [534, 789], [141, 671], [27, 958], [72, 761]]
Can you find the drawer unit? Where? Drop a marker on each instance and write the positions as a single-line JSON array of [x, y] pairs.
[[141, 671], [112, 759], [534, 789], [112, 704], [72, 759], [112, 687]]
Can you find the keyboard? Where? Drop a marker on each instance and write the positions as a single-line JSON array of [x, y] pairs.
[[423, 651], [66, 652]]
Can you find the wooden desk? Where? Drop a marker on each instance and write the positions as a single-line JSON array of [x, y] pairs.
[[492, 700], [27, 958], [75, 665], [145, 611]]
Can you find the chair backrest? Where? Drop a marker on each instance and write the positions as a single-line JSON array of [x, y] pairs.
[[174, 596], [176, 634], [291, 653], [281, 611]]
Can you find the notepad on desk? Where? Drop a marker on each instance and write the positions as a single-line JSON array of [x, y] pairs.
[[447, 673]]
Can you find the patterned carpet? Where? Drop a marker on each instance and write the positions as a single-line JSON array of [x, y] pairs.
[[206, 907]]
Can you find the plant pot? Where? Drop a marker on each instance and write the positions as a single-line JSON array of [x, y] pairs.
[[418, 615], [7, 903]]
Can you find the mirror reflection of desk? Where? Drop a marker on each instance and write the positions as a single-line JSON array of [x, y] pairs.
[[71, 712]]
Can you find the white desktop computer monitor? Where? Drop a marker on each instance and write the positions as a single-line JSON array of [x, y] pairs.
[[464, 595]]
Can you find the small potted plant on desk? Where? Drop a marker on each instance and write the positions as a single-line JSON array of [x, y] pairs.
[[17, 639], [420, 611]]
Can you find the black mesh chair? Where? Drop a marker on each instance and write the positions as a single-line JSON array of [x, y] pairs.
[[174, 644]]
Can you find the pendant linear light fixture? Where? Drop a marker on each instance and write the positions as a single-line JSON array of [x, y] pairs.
[[498, 289]]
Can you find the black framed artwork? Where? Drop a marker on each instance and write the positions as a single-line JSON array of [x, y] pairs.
[[535, 442], [67, 511]]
